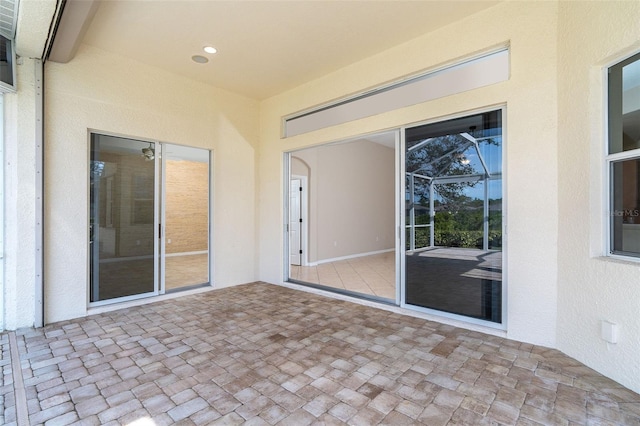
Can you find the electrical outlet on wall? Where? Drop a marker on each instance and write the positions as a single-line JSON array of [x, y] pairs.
[[609, 331]]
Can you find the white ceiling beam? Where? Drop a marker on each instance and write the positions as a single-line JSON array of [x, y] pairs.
[[33, 25], [76, 19]]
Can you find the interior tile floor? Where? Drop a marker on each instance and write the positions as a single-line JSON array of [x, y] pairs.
[[186, 270], [374, 275], [442, 278], [261, 354]]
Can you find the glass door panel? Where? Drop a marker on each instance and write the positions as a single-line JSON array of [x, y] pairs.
[[418, 223], [341, 217], [186, 217], [122, 218], [454, 189]]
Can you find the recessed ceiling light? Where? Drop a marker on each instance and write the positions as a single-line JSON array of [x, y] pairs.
[[199, 59], [210, 49]]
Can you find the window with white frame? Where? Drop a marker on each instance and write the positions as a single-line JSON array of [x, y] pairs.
[[623, 157]]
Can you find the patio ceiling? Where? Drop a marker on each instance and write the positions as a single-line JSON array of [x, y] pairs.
[[264, 47]]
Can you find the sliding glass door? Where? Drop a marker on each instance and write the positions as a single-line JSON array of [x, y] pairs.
[[148, 218], [453, 211], [123, 230], [185, 236], [446, 255]]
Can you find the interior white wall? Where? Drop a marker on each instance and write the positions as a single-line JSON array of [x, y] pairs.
[[105, 92], [351, 198], [20, 200], [530, 28], [592, 288]]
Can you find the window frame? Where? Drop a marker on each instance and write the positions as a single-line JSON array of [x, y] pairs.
[[610, 160], [12, 86]]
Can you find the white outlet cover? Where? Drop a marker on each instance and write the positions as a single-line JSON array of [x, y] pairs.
[[609, 331]]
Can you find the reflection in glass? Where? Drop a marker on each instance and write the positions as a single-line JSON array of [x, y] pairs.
[[454, 184], [624, 137], [624, 105], [625, 214], [122, 238], [459, 215], [7, 58]]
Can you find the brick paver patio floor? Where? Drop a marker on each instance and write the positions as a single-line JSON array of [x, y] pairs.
[[264, 354]]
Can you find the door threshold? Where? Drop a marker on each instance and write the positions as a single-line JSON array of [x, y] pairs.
[[186, 288], [344, 292]]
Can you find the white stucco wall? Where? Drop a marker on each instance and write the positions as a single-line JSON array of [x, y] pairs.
[[20, 199], [592, 288], [101, 91], [530, 28]]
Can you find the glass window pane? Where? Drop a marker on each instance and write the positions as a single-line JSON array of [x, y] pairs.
[[7, 71], [422, 237], [625, 213], [457, 163], [459, 215], [186, 226], [122, 207], [495, 214], [624, 105]]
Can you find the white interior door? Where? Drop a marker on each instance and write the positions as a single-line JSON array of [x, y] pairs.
[[295, 222]]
